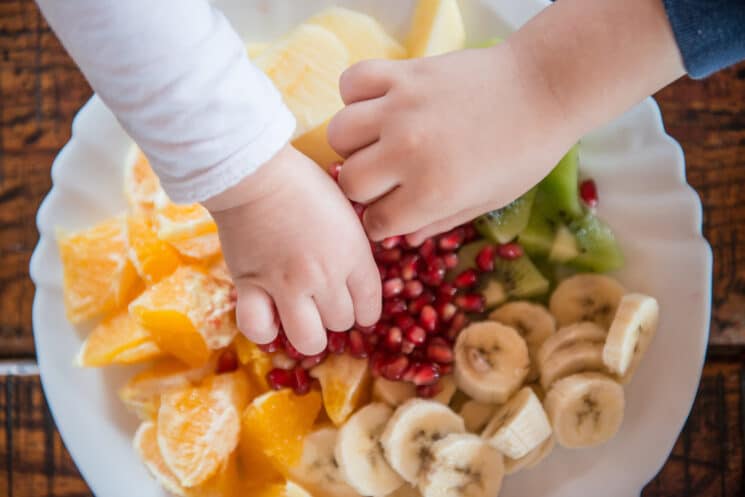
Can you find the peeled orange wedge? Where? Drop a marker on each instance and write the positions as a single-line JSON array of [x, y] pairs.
[[152, 257], [188, 314], [117, 340], [98, 276], [256, 362], [177, 222], [437, 28], [141, 186], [199, 427], [345, 384], [198, 248]]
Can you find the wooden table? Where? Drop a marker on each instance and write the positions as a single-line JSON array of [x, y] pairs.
[[40, 91]]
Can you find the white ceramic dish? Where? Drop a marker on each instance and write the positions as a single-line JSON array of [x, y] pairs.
[[644, 196]]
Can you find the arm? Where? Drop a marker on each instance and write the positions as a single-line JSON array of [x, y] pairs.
[[178, 79]]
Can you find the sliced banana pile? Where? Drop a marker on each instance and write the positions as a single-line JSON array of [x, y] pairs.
[[520, 386]]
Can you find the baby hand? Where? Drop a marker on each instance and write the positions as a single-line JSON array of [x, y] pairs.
[[292, 240], [434, 142]]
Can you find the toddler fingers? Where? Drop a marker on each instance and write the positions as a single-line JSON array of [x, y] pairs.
[[365, 80], [355, 127], [444, 225], [364, 287], [335, 306], [394, 214], [254, 313], [302, 323], [364, 176]]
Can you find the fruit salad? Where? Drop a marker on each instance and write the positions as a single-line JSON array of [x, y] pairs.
[[498, 339]]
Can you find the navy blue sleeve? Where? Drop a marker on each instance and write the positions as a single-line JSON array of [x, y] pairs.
[[709, 33]]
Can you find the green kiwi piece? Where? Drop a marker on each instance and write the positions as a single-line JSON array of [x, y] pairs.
[[503, 225], [565, 246], [494, 293], [561, 187], [598, 248], [467, 258], [520, 278], [538, 236]]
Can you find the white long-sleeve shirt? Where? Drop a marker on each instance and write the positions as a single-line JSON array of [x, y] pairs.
[[177, 77]]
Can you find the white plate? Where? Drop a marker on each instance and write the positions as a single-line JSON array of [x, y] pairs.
[[643, 195]]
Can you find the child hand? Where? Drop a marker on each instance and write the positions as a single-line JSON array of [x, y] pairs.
[[292, 240], [434, 142]]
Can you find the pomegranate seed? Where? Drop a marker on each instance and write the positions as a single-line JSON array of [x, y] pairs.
[[416, 305], [302, 381], [447, 290], [446, 311], [393, 272], [428, 318], [377, 360], [427, 249], [334, 170], [392, 287], [389, 256], [359, 209], [337, 342], [291, 351], [365, 330], [470, 232], [312, 361], [450, 260], [394, 368], [588, 191], [413, 289], [439, 351], [227, 362], [416, 335], [282, 361], [466, 279], [394, 338], [446, 369], [393, 307], [452, 240], [433, 276], [418, 355], [429, 391], [407, 347], [404, 321], [357, 344], [459, 322], [409, 267], [272, 346], [280, 378], [371, 343], [485, 258], [381, 329], [425, 374], [510, 251], [471, 302], [391, 242]]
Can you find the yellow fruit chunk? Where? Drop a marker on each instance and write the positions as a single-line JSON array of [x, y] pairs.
[[273, 428], [315, 145], [146, 351], [152, 257], [257, 363], [142, 186], [177, 222], [437, 28], [363, 36], [200, 247], [305, 67], [255, 49], [97, 274], [188, 314], [113, 339], [345, 383], [141, 394], [199, 427]]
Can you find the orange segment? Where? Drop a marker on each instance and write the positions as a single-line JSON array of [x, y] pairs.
[[183, 221], [152, 257], [200, 247], [199, 427], [188, 314], [345, 384], [97, 274], [146, 351], [117, 335], [256, 362], [142, 392], [142, 186], [273, 428], [288, 489]]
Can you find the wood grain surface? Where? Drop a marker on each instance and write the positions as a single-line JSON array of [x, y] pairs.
[[40, 91]]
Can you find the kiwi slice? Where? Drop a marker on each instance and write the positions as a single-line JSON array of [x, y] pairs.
[[538, 236], [503, 225], [598, 248], [494, 293], [520, 278], [565, 247], [561, 189]]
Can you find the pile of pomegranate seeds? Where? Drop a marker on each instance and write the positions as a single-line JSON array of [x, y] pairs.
[[421, 318]]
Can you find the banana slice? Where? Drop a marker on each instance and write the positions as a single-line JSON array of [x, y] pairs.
[[491, 361], [519, 426], [568, 336], [393, 393], [585, 409], [630, 334], [447, 390], [586, 297], [578, 358], [360, 455], [477, 415], [410, 433], [406, 491], [531, 459], [463, 466], [318, 470]]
